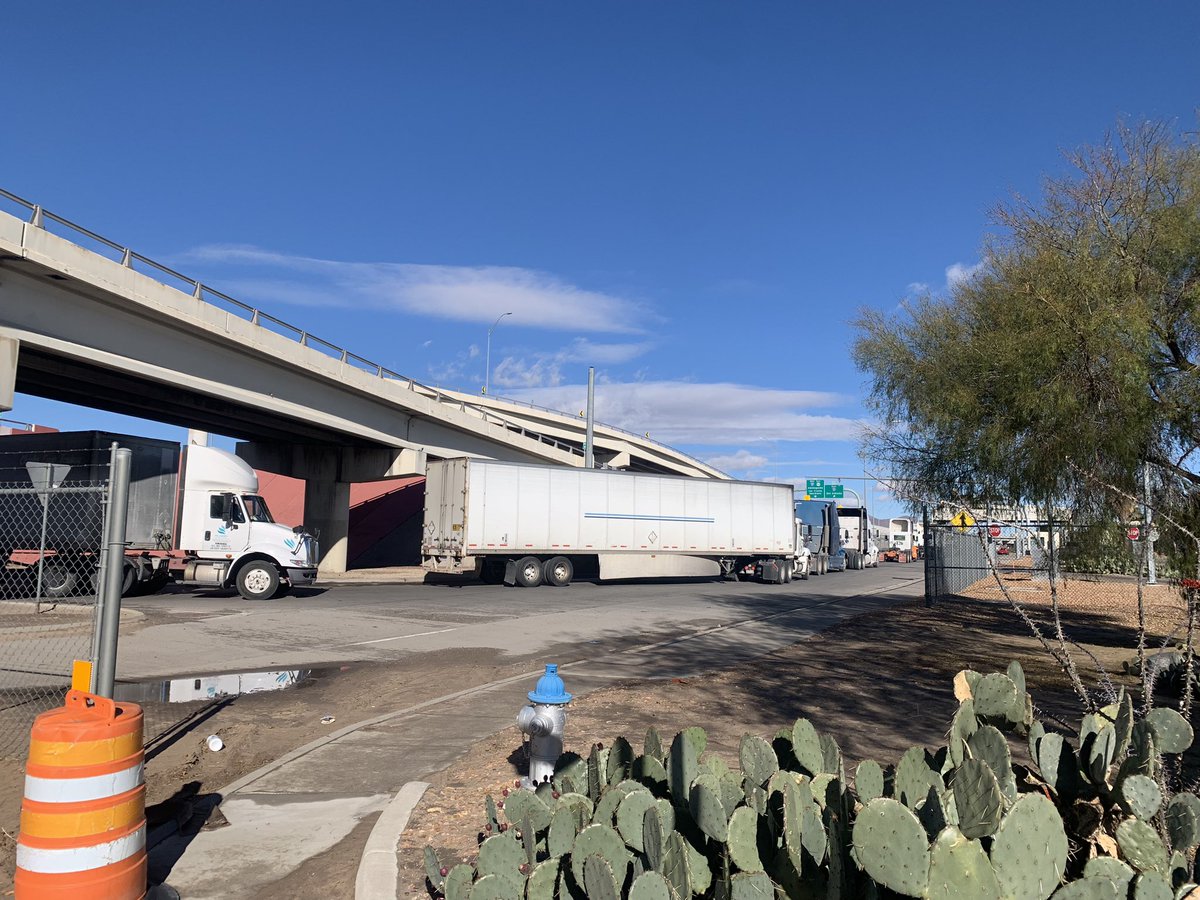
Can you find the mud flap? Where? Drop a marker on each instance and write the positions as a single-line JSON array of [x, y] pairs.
[[772, 571], [510, 573]]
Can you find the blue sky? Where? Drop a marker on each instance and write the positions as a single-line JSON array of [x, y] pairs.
[[695, 197]]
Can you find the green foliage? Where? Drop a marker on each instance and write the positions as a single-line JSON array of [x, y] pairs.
[[1075, 341], [1093, 816]]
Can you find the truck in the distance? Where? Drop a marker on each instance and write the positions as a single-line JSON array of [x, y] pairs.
[[820, 533], [194, 515], [861, 551], [531, 524]]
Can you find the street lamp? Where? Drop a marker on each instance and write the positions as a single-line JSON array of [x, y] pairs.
[[487, 374]]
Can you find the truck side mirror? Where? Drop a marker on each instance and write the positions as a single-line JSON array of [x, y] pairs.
[[227, 509]]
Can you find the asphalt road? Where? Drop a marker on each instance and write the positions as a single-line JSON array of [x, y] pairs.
[[681, 627]]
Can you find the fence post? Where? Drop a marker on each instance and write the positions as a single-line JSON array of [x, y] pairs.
[[930, 544], [110, 588]]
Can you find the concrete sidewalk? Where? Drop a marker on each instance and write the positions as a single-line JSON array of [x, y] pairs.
[[312, 798]]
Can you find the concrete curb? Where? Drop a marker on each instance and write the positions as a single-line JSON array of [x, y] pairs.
[[378, 869]]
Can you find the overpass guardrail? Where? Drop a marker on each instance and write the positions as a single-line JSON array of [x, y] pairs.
[[38, 217]]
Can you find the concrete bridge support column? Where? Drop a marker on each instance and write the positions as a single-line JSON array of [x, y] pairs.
[[327, 507], [9, 348]]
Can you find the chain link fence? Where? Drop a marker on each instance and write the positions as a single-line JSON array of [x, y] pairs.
[[1090, 571], [52, 525]]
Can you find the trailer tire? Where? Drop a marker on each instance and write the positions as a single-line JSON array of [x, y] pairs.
[[58, 580], [558, 571], [258, 580], [529, 571], [787, 571]]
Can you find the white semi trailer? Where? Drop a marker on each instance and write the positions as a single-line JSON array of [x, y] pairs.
[[528, 525]]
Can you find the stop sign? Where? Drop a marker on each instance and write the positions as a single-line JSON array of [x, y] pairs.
[[1133, 533], [994, 530]]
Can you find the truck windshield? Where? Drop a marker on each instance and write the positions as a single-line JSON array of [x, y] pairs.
[[256, 508]]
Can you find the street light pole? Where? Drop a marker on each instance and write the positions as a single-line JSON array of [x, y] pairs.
[[487, 375]]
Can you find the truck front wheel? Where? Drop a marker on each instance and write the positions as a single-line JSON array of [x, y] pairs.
[[258, 581]]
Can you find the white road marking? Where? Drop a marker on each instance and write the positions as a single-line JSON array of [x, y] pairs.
[[401, 637]]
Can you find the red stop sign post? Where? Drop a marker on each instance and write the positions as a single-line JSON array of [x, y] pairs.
[[994, 530], [1133, 532]]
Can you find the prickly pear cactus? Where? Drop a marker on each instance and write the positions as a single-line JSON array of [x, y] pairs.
[[977, 799], [620, 761], [891, 846], [806, 745], [1058, 765], [1029, 851], [652, 745], [543, 880], [743, 840], [598, 879], [502, 855], [493, 887], [649, 771], [1142, 847], [1183, 821], [683, 768], [996, 698], [602, 841], [751, 886], [631, 817], [521, 804], [1140, 796], [989, 745], [758, 759], [1172, 733], [704, 803], [914, 776], [959, 868], [868, 780], [458, 882]]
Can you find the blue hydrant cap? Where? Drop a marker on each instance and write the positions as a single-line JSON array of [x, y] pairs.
[[550, 688]]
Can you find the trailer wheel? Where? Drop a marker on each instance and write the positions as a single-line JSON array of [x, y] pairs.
[[558, 571], [787, 572], [258, 581], [58, 580], [529, 571]]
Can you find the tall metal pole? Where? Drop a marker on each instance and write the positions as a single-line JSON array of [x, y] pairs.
[[42, 552], [114, 545], [1149, 516], [487, 373], [589, 455]]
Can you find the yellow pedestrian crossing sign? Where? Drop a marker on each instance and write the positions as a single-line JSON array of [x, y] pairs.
[[962, 519]]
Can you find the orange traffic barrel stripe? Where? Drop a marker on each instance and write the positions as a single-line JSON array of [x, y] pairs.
[[83, 821]]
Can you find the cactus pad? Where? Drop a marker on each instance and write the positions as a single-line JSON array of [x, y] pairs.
[[831, 755], [520, 804], [649, 771], [543, 880], [561, 836], [704, 802], [1172, 733], [793, 824], [1183, 821], [652, 745], [806, 744], [682, 771], [1029, 851], [758, 759], [675, 866], [868, 780], [654, 837], [1141, 796], [598, 879], [1111, 868], [602, 841], [700, 876], [502, 855], [1093, 887], [751, 886], [581, 807], [996, 698], [620, 760], [1152, 886], [959, 868], [433, 869], [493, 887], [650, 886], [743, 840], [606, 806], [1059, 768], [891, 846], [458, 882], [631, 817], [1141, 846], [914, 775], [977, 799], [962, 726], [989, 745]]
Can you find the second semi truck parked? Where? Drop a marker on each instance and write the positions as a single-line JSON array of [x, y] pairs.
[[193, 516], [529, 525]]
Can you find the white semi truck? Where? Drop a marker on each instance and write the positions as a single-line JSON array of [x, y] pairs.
[[529, 524], [193, 516]]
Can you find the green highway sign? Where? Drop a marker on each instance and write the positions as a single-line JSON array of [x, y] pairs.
[[817, 489]]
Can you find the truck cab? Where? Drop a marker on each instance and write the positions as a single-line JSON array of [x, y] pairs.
[[821, 535], [228, 535]]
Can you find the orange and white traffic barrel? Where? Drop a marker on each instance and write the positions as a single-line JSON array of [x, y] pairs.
[[83, 819]]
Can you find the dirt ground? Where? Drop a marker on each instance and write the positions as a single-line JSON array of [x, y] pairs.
[[879, 684]]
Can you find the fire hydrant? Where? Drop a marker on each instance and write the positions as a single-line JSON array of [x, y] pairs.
[[543, 721]]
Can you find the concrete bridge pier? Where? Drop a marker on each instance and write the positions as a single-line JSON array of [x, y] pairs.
[[9, 348], [327, 473]]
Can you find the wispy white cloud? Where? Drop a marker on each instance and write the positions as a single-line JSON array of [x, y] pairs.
[[463, 293], [737, 463], [546, 369], [960, 272], [708, 414]]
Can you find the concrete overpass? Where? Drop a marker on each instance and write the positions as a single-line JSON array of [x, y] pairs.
[[88, 321]]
